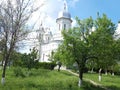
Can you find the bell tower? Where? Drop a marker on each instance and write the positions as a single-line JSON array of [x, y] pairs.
[[64, 18]]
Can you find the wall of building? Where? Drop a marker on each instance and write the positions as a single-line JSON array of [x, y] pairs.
[[46, 50]]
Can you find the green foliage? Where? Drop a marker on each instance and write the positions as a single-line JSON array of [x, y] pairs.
[[76, 46], [63, 56], [16, 58], [18, 72], [91, 64], [102, 42], [116, 50], [46, 65], [94, 49], [116, 68], [30, 60], [105, 24]]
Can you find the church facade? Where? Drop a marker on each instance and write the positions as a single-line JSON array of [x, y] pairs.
[[49, 42]]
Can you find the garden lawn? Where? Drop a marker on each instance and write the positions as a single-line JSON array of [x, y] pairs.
[[45, 80], [109, 81]]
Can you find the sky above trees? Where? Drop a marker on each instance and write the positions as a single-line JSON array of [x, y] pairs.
[[86, 8], [82, 8]]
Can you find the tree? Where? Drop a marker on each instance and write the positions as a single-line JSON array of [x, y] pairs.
[[115, 55], [30, 60], [104, 41], [76, 47], [14, 15], [81, 44], [16, 58]]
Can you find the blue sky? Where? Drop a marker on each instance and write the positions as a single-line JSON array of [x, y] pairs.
[[81, 8], [86, 8]]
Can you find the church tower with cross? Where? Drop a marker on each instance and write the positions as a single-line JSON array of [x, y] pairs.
[[64, 18]]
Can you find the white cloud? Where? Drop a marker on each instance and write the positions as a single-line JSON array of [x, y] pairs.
[[49, 12], [74, 23], [117, 31], [72, 3]]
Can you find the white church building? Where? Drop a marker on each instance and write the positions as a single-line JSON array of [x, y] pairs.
[[49, 42]]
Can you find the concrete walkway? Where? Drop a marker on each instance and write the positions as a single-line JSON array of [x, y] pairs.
[[88, 80]]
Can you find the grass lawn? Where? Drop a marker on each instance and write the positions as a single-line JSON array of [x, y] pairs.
[[109, 81], [45, 80]]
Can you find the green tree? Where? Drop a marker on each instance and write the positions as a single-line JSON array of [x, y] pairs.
[[16, 59], [83, 45], [115, 55], [103, 41], [76, 47], [116, 49], [30, 60]]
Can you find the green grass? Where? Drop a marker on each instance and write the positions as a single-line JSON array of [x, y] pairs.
[[45, 80], [109, 81]]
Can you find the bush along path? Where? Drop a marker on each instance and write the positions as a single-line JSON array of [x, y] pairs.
[[88, 80]]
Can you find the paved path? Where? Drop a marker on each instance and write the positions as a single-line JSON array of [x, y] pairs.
[[94, 83]]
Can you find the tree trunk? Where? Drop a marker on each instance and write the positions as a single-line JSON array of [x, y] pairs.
[[80, 77], [3, 73], [113, 73], [2, 63], [59, 68], [100, 74], [106, 72], [92, 70], [4, 68]]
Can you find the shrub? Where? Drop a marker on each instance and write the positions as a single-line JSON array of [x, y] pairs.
[[47, 65], [18, 72]]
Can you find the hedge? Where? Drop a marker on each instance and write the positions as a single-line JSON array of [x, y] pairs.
[[46, 65]]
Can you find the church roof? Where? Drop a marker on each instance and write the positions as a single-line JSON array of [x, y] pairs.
[[64, 14]]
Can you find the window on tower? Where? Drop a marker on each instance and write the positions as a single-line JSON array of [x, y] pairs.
[[59, 26], [64, 26]]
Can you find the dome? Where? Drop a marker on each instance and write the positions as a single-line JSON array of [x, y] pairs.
[[64, 14]]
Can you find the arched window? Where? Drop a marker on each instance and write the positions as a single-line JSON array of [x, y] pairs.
[[64, 26]]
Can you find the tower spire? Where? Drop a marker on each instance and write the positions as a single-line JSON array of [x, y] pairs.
[[65, 5]]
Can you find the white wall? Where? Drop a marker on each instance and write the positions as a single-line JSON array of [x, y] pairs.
[[47, 49]]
